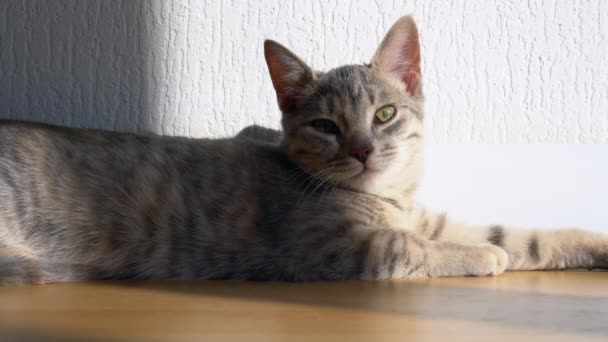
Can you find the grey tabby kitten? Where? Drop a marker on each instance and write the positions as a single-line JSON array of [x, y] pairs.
[[330, 198]]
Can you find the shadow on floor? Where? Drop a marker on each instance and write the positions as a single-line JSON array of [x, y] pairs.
[[582, 314]]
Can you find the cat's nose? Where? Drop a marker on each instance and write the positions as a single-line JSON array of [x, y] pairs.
[[361, 153]]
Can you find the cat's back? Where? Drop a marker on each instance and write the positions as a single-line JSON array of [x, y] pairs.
[[49, 152], [61, 162]]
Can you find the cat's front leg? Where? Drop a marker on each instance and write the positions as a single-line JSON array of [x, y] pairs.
[[528, 249], [360, 252]]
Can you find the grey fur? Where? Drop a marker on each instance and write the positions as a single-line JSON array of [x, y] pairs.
[[394, 127]]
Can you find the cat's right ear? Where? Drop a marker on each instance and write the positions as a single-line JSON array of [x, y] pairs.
[[289, 74]]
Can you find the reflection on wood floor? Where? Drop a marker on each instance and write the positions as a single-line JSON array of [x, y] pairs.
[[522, 305]]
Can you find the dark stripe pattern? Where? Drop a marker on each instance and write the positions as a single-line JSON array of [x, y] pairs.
[[438, 228], [533, 249], [497, 236]]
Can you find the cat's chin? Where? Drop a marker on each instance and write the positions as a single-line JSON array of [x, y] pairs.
[[364, 180], [366, 174]]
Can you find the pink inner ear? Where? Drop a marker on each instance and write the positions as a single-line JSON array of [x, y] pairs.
[[411, 79], [282, 86], [399, 53], [409, 68]]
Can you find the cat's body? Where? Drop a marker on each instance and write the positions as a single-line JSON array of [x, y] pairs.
[[128, 206], [330, 198]]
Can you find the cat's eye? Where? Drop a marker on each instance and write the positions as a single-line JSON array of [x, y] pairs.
[[325, 126], [385, 113]]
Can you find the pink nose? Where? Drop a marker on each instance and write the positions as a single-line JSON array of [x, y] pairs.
[[361, 153]]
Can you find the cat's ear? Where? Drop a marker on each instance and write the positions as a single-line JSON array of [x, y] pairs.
[[289, 74], [399, 54]]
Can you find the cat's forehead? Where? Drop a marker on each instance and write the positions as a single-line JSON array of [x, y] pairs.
[[352, 86], [347, 78]]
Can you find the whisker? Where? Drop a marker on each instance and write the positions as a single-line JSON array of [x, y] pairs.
[[315, 189], [333, 181], [315, 177]]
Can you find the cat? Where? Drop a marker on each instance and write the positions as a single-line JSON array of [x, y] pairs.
[[330, 197]]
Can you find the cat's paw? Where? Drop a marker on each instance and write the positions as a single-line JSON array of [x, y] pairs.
[[470, 260], [492, 261]]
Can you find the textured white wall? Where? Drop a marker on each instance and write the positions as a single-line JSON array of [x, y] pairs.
[[495, 71]]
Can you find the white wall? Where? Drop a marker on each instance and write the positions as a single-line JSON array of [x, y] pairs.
[[540, 186], [495, 72]]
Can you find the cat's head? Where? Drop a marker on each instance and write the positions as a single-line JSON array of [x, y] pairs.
[[358, 126]]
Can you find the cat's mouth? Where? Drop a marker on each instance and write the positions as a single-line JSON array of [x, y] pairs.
[[357, 173], [362, 178], [365, 173]]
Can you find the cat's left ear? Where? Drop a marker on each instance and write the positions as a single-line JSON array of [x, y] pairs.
[[399, 54], [289, 74]]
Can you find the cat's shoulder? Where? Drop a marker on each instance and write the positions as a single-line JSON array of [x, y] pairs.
[[265, 155], [260, 134]]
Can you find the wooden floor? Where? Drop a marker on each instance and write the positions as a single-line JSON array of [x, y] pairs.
[[538, 306]]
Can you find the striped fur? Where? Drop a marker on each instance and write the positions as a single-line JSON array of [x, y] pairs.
[[321, 200], [528, 249]]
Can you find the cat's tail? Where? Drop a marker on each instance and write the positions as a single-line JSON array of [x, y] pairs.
[[528, 249]]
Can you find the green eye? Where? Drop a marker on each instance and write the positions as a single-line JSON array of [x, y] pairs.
[[385, 113]]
